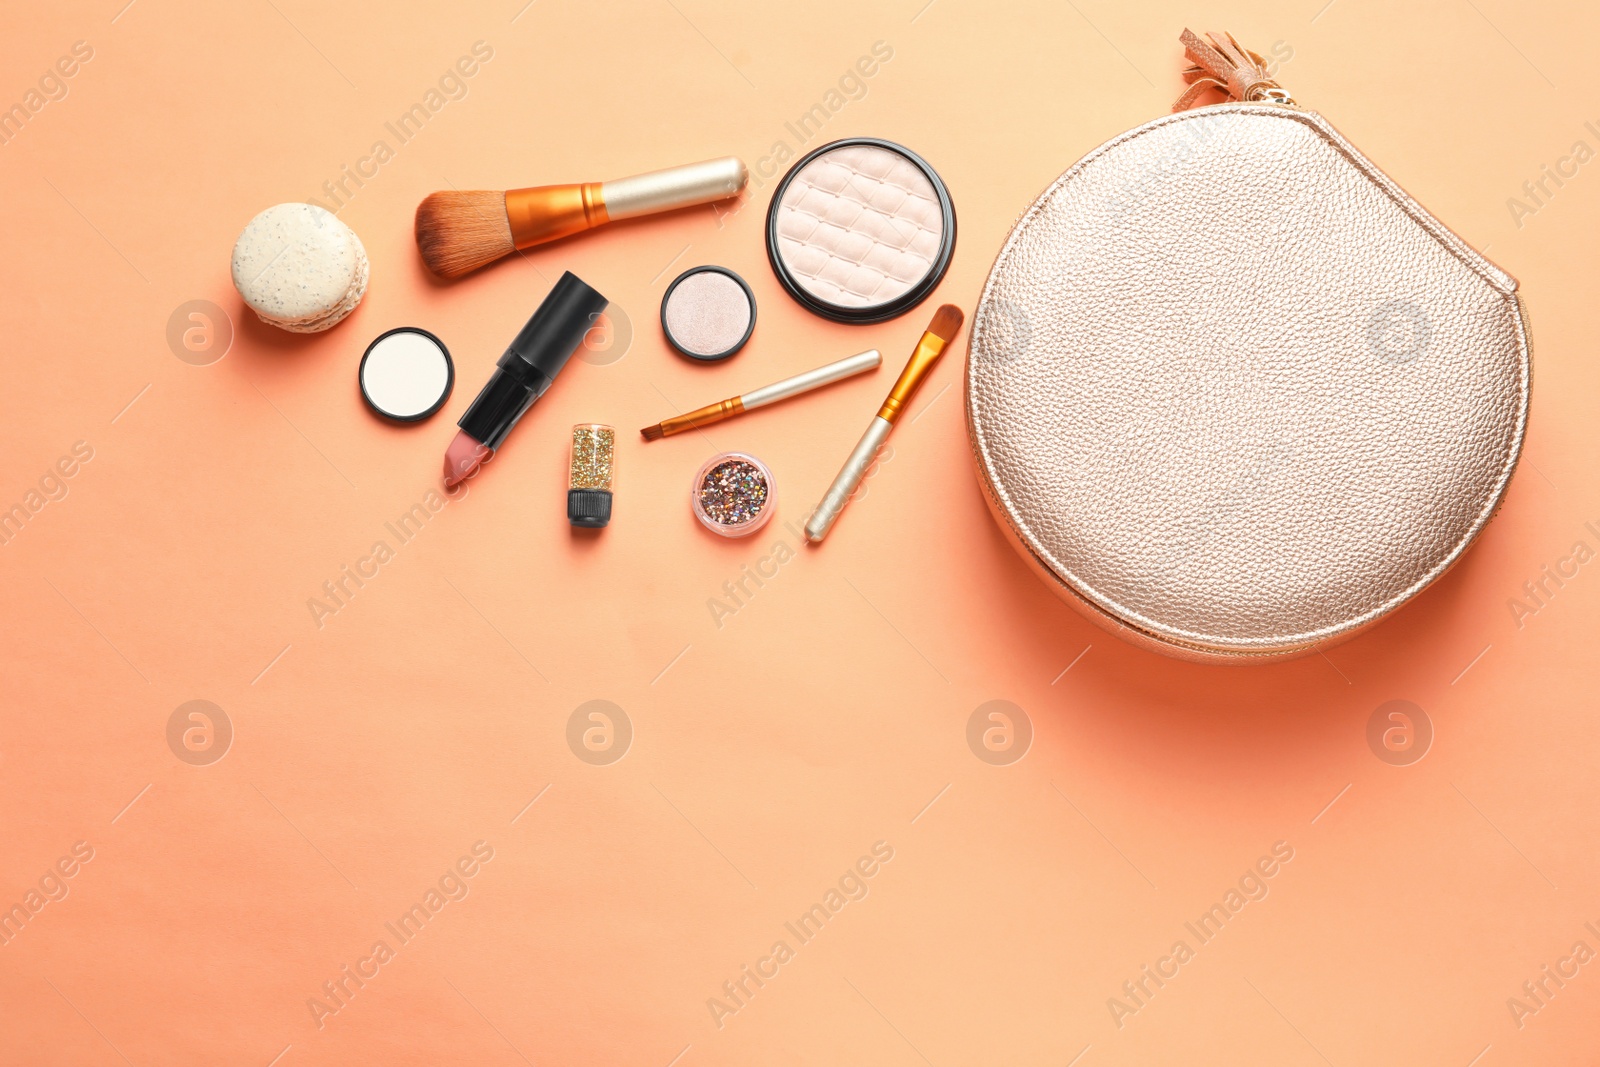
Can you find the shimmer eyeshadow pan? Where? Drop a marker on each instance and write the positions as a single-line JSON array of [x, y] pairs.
[[860, 230], [708, 313]]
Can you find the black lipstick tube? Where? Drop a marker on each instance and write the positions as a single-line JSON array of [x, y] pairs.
[[533, 360]]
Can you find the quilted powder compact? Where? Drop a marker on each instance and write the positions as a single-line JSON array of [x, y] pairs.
[[1230, 390], [860, 230]]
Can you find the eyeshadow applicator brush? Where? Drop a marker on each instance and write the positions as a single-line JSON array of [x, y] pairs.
[[940, 332], [458, 232], [767, 394]]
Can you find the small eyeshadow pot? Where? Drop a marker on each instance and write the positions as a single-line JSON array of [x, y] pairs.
[[861, 230], [589, 473], [708, 313], [733, 495], [406, 374]]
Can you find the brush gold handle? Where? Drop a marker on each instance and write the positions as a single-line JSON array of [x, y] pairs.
[[675, 187]]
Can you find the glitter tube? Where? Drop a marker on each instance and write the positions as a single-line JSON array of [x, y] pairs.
[[589, 474]]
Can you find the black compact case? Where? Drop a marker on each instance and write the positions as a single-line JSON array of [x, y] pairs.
[[899, 305]]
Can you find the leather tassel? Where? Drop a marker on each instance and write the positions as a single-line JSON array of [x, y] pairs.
[[1226, 66]]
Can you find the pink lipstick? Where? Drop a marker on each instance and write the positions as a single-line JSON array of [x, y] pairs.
[[522, 374], [463, 458]]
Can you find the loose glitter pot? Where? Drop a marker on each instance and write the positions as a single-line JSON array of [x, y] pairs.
[[708, 313], [860, 230], [733, 495]]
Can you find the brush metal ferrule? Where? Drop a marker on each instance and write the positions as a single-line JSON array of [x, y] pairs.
[[722, 409], [551, 212], [927, 353]]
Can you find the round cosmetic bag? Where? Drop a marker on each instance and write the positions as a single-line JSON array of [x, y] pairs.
[[1231, 391]]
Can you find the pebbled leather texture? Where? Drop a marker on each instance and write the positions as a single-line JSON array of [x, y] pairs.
[[1234, 394], [860, 226]]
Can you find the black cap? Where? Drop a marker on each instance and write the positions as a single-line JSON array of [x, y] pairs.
[[556, 329], [589, 508], [535, 356]]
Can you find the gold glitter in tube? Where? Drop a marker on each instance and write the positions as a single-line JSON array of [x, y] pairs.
[[592, 446]]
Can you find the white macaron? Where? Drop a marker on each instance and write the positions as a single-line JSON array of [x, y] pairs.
[[299, 268]]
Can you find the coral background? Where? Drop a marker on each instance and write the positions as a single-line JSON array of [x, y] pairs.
[[762, 759]]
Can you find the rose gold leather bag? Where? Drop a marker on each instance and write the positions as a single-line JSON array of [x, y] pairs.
[[1231, 391]]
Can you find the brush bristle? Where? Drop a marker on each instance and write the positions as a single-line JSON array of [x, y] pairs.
[[653, 433], [946, 323], [458, 232]]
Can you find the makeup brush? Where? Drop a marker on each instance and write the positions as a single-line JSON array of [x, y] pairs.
[[458, 232], [941, 331], [767, 394]]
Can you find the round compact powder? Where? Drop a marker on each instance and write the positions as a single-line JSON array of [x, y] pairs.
[[406, 374], [733, 494], [860, 230], [708, 313]]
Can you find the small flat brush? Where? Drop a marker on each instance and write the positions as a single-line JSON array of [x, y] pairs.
[[941, 331], [767, 394], [458, 232]]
